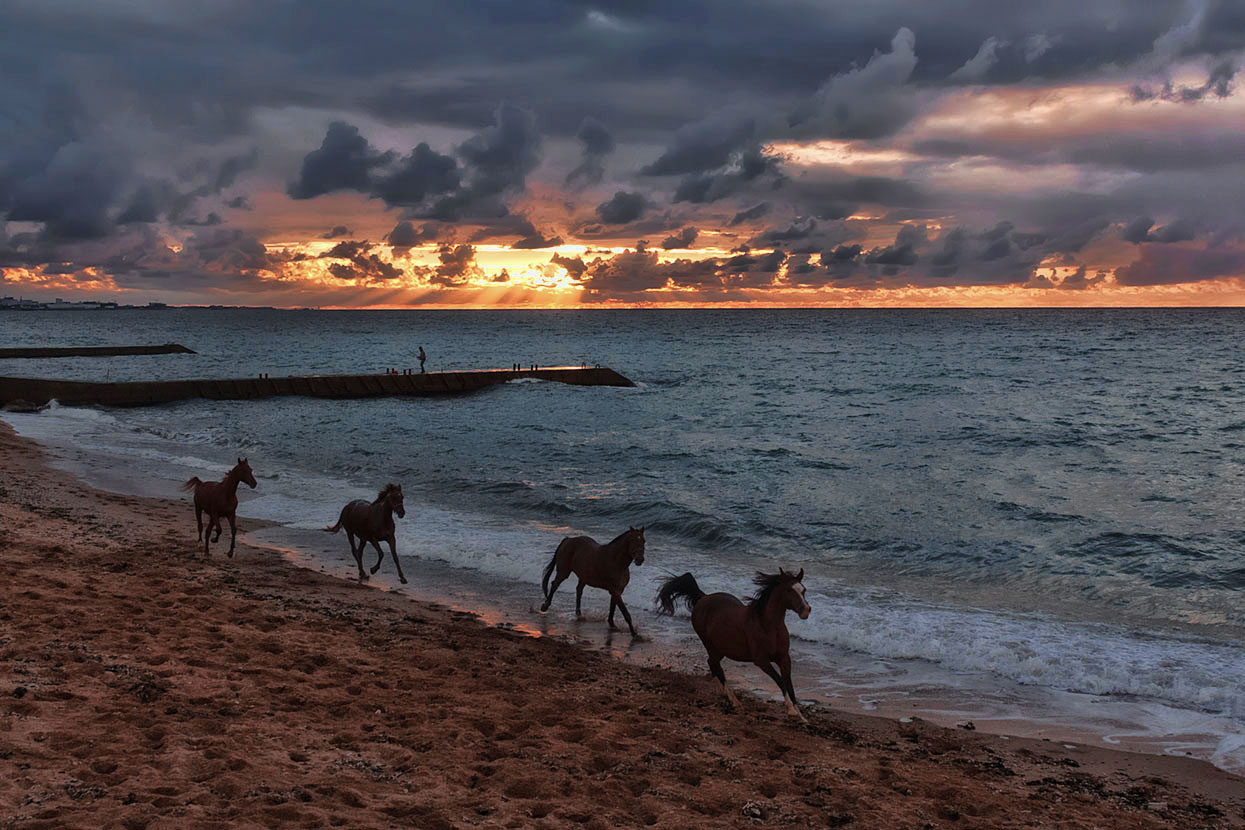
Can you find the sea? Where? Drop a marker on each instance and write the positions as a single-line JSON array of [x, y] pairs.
[[1030, 520]]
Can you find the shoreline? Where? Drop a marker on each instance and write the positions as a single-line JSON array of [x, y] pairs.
[[162, 688]]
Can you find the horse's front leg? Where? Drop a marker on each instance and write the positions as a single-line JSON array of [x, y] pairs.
[[214, 522], [233, 534], [788, 691], [393, 554], [622, 606], [579, 600]]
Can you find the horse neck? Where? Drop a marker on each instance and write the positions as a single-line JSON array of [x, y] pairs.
[[230, 481], [382, 510], [774, 614], [618, 550]]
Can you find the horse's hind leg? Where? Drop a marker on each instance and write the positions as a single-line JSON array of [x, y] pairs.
[[357, 554], [715, 666], [579, 599], [561, 577], [233, 534], [199, 523], [380, 555]]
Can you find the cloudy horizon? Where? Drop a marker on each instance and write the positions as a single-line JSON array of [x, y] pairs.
[[566, 154]]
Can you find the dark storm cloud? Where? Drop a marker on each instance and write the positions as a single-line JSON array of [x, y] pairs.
[[494, 162], [363, 264], [748, 214], [682, 239], [1169, 264], [458, 265], [344, 161], [336, 231], [1140, 230], [405, 236], [597, 143], [622, 207]]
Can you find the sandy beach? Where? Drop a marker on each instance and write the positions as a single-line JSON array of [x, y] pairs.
[[144, 685]]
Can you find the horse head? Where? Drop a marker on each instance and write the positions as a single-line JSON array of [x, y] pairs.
[[392, 496], [243, 471], [794, 593], [635, 544]]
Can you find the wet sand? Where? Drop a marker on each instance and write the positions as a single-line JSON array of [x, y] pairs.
[[145, 685]]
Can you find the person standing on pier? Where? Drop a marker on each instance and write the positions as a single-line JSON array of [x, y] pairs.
[[422, 358]]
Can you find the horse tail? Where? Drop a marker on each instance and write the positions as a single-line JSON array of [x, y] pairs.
[[191, 485], [679, 588], [340, 520], [553, 563]]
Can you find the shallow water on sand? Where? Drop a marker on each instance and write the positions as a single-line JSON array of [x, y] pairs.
[[1003, 516]]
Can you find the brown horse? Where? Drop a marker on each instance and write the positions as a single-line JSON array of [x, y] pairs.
[[754, 633], [219, 499], [373, 523], [601, 566]]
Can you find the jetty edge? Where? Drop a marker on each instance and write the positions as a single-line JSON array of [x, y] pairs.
[[39, 391], [92, 351]]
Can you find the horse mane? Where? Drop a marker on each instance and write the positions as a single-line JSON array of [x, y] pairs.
[[767, 584], [384, 491], [619, 537]]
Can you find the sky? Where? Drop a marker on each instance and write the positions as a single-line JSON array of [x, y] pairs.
[[557, 153]]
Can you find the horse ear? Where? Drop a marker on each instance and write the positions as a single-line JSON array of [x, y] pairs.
[[239, 459], [800, 576], [782, 571]]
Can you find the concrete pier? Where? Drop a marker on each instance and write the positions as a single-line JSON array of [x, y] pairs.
[[95, 351], [150, 393]]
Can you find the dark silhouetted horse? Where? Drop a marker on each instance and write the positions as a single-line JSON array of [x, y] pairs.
[[601, 566], [219, 499], [373, 522], [753, 633]]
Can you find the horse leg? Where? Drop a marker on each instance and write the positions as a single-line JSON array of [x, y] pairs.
[[561, 577], [233, 534], [380, 556], [579, 598], [207, 533], [784, 666], [215, 522], [393, 554], [357, 554], [622, 606], [715, 666], [199, 523]]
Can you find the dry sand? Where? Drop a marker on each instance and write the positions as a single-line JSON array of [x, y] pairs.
[[144, 685]]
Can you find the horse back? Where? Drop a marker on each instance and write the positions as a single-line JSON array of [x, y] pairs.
[[725, 626]]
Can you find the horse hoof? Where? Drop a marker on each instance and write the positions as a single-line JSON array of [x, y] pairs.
[[402, 579]]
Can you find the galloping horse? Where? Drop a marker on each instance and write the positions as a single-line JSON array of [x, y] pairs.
[[601, 566], [754, 633], [217, 499], [373, 523]]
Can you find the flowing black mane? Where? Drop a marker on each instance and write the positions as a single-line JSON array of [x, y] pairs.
[[766, 585], [384, 492]]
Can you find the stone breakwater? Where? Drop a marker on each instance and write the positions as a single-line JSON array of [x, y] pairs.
[[94, 351], [39, 391]]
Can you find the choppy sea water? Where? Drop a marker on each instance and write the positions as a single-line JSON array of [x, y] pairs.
[[1017, 517]]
